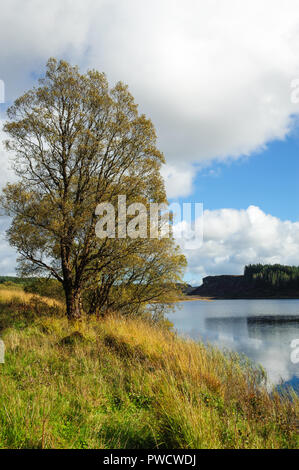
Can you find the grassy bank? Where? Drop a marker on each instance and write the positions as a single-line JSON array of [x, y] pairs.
[[124, 383]]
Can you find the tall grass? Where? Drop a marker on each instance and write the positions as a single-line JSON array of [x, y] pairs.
[[125, 383], [13, 293]]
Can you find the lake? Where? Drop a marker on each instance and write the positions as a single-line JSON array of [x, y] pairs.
[[261, 329]]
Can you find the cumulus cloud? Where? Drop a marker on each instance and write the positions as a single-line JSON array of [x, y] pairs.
[[234, 238], [6, 173], [231, 239], [178, 179], [32, 31], [214, 76], [7, 254]]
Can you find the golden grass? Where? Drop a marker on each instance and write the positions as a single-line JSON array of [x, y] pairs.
[[17, 294], [126, 383]]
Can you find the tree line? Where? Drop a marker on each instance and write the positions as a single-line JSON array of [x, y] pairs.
[[273, 275]]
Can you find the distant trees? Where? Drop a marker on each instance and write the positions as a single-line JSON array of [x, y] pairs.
[[45, 288], [77, 143], [276, 275]]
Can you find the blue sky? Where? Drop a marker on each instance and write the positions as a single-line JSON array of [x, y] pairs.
[[267, 179], [216, 78]]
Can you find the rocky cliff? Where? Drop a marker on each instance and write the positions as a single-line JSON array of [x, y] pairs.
[[238, 287]]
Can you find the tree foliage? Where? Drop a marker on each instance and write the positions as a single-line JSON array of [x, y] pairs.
[[77, 143], [273, 275]]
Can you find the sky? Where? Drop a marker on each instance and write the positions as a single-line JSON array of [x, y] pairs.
[[219, 81]]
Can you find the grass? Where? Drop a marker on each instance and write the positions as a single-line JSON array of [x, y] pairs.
[[16, 294], [125, 383]]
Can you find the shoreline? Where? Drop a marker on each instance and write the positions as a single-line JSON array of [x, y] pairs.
[[188, 299], [211, 299], [248, 298]]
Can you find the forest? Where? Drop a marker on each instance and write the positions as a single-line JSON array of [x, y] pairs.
[[272, 275]]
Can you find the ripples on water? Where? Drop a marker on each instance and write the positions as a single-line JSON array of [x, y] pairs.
[[261, 329]]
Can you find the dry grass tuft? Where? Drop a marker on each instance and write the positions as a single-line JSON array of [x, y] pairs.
[[125, 383]]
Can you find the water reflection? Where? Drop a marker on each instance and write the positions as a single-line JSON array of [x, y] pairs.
[[261, 329]]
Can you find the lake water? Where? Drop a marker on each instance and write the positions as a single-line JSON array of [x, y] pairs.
[[261, 329]]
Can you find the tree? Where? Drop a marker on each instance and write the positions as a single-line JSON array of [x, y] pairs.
[[77, 143]]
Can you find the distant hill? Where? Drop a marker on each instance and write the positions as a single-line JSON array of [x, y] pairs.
[[259, 281]]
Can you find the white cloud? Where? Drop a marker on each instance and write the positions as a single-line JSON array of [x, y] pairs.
[[6, 173], [178, 179], [32, 31], [234, 238], [7, 254], [214, 76]]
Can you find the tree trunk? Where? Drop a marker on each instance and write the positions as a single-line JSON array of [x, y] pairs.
[[73, 303]]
